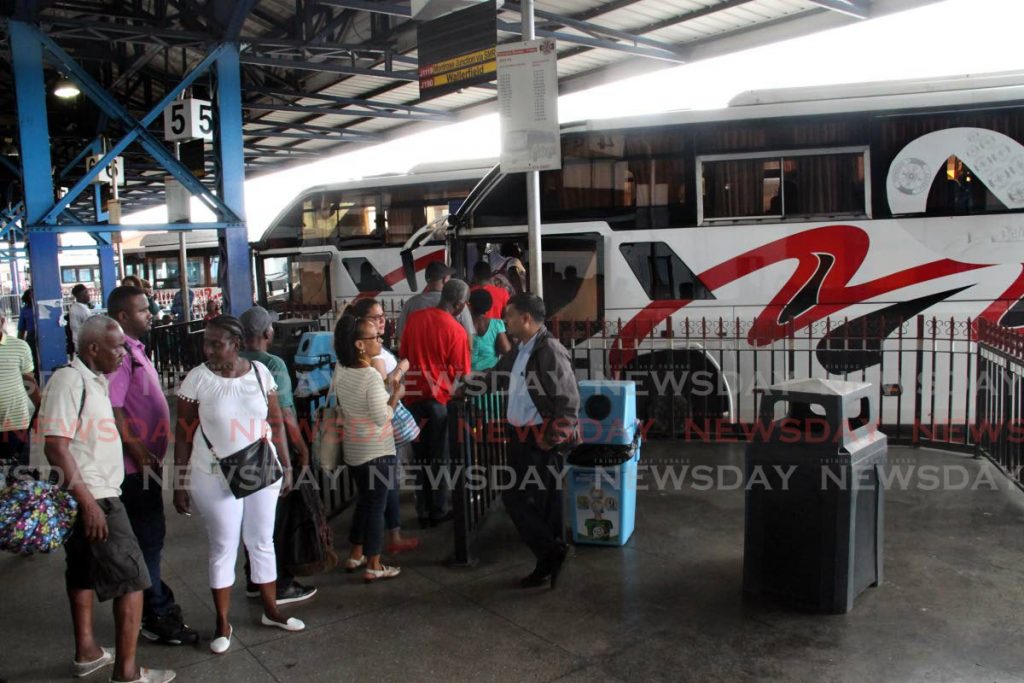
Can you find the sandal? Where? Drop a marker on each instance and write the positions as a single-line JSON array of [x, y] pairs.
[[385, 572], [351, 564]]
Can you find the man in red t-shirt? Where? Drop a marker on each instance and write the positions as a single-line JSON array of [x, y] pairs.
[[482, 279], [437, 348]]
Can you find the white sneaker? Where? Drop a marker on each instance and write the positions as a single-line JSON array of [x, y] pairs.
[[292, 624], [83, 669], [152, 676]]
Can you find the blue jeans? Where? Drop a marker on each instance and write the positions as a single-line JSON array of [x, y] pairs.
[[144, 502], [430, 453], [374, 480]]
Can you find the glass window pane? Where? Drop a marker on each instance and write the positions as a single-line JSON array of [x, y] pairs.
[[661, 272], [365, 276]]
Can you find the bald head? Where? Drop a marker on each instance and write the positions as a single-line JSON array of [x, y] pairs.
[[101, 344]]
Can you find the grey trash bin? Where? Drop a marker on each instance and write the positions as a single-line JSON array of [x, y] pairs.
[[814, 502]]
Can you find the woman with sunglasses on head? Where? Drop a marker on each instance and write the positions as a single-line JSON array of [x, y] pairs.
[[368, 441], [392, 370], [223, 405]]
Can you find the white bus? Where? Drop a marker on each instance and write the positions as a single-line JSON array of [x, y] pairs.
[[862, 205], [335, 243]]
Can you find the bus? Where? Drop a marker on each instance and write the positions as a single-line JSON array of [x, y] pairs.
[[156, 259], [814, 209], [335, 243]]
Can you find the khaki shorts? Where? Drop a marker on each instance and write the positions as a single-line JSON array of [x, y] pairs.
[[112, 568]]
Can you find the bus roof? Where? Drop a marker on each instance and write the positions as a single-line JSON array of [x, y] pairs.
[[962, 90], [168, 241]]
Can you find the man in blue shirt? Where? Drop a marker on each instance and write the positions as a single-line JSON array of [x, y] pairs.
[[543, 414]]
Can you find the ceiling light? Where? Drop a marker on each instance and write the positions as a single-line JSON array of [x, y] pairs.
[[66, 89]]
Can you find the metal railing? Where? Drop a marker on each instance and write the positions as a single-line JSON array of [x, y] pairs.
[[176, 349], [478, 442], [999, 429]]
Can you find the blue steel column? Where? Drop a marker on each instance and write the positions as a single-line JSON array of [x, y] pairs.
[[234, 240], [108, 270], [34, 134]]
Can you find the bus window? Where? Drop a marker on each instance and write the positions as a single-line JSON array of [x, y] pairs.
[[800, 184], [957, 191], [301, 281], [364, 275], [661, 273], [573, 279]]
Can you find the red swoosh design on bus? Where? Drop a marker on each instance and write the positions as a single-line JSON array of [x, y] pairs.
[[848, 247], [398, 274]]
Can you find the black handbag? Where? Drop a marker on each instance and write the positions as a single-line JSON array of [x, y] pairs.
[[252, 468]]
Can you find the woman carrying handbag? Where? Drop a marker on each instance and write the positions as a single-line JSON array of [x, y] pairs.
[[235, 472], [368, 441]]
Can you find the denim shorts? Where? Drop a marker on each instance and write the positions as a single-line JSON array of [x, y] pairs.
[[112, 568]]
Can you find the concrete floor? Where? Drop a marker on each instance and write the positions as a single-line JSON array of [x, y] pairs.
[[667, 606]]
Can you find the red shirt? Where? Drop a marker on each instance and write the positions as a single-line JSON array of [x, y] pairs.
[[499, 297], [437, 347]]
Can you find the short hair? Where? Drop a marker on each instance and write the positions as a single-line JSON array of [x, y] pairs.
[[77, 288], [455, 292], [95, 328], [120, 299], [529, 304], [345, 335], [480, 301], [437, 270], [131, 280], [482, 270], [26, 296], [229, 324]]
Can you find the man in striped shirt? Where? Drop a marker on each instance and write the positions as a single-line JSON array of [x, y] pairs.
[[19, 397]]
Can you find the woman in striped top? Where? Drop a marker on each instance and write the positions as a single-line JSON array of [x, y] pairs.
[[368, 440]]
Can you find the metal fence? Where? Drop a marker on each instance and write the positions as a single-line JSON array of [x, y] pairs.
[[998, 431], [477, 439], [176, 349]]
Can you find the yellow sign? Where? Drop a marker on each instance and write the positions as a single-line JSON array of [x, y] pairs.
[[460, 62]]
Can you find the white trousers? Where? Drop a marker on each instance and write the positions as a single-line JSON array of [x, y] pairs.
[[227, 518]]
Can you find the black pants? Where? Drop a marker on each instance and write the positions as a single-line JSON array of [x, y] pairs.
[[534, 502], [143, 501], [430, 456]]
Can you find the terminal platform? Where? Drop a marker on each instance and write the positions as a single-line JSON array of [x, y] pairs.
[[667, 606]]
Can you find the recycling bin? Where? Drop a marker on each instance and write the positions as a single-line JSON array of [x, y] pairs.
[[602, 471], [814, 513], [314, 364]]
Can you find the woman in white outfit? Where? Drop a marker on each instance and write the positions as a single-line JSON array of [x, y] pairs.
[[226, 403]]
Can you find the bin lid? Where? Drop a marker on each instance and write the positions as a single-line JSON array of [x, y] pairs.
[[819, 387], [603, 454]]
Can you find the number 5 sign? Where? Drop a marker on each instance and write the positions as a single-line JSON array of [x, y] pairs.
[[188, 119]]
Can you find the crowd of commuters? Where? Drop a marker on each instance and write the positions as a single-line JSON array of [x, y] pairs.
[[239, 403]]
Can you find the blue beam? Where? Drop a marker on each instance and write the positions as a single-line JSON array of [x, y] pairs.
[[108, 272], [137, 129], [235, 240], [102, 227], [34, 134]]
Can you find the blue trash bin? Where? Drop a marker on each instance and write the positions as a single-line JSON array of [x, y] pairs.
[[602, 492], [602, 475]]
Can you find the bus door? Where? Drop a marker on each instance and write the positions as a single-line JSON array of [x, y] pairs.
[[573, 273]]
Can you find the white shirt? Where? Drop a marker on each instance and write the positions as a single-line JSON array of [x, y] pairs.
[[95, 442], [232, 412], [521, 410], [390, 362], [78, 313]]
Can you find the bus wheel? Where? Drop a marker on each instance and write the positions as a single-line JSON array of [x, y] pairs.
[[676, 387]]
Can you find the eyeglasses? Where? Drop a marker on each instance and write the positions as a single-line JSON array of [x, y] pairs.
[[379, 337]]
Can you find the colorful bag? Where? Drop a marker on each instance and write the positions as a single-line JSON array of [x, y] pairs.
[[35, 517], [404, 425]]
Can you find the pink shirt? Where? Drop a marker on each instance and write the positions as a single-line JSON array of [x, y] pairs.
[[135, 387]]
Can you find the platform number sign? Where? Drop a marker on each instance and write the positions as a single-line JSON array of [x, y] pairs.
[[115, 169], [188, 119]]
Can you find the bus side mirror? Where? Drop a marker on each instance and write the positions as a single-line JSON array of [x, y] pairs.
[[409, 268]]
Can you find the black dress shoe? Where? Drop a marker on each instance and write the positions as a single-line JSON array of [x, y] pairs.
[[557, 560], [535, 578]]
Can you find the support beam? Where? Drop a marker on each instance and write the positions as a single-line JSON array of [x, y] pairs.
[[234, 242], [675, 56], [108, 272], [327, 67], [34, 134], [860, 9], [367, 6]]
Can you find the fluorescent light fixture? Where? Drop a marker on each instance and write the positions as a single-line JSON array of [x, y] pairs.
[[66, 89]]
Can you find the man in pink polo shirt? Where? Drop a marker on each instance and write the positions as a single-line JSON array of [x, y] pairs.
[[144, 421]]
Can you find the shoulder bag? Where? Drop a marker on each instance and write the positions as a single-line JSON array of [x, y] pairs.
[[252, 468]]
